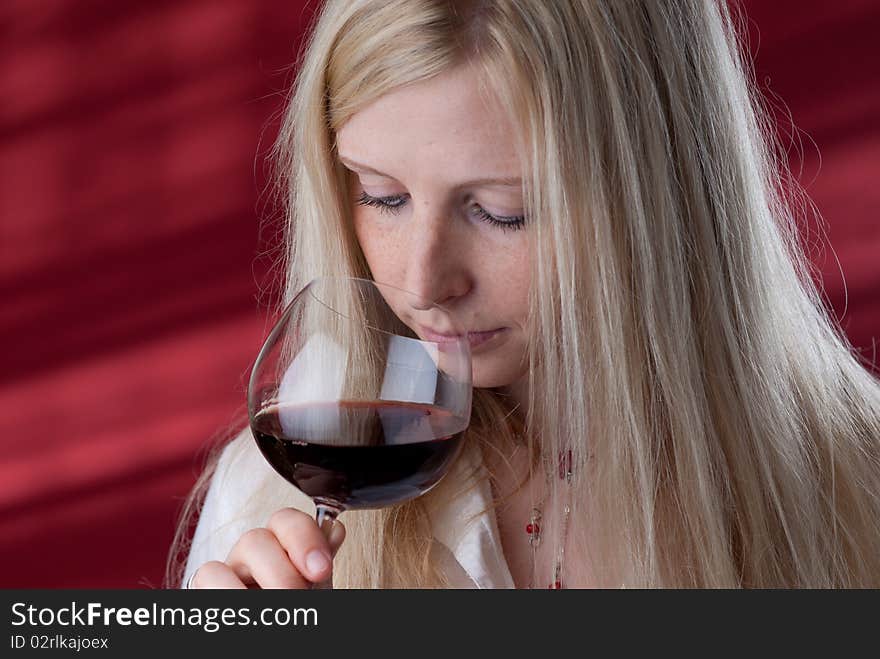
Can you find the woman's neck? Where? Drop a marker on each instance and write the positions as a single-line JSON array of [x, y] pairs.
[[519, 392]]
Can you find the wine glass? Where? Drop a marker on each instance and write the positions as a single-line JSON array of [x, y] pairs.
[[348, 404]]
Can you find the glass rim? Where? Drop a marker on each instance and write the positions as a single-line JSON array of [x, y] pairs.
[[460, 333]]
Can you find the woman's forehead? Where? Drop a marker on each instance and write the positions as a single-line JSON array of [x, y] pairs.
[[447, 119]]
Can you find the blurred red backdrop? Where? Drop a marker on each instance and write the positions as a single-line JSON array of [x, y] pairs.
[[132, 170]]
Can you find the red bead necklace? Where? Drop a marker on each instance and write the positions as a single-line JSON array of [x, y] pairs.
[[533, 528]]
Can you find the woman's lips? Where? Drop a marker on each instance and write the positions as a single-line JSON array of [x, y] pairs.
[[474, 338]]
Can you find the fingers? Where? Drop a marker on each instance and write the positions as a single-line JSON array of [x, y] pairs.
[[291, 552], [306, 545], [215, 574], [259, 558], [337, 535]]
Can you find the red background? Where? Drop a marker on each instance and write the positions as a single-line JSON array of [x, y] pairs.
[[132, 181]]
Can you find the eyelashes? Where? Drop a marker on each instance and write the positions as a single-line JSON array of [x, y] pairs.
[[394, 203], [385, 204]]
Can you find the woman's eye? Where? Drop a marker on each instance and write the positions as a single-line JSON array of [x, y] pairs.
[[385, 204], [394, 203], [504, 222]]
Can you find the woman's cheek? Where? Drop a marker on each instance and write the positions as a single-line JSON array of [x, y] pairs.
[[372, 243], [362, 236]]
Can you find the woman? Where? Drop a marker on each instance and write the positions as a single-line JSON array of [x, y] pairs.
[[670, 405]]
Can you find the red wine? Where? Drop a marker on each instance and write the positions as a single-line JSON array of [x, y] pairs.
[[359, 454]]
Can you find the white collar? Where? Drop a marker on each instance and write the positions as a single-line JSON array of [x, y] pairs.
[[463, 520]]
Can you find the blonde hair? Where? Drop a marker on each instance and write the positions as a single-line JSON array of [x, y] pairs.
[[723, 433]]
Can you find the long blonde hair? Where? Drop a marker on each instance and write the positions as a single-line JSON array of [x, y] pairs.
[[723, 432]]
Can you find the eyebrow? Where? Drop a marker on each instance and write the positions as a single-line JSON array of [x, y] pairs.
[[505, 181]]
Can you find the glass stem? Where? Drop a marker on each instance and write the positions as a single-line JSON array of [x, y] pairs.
[[325, 516]]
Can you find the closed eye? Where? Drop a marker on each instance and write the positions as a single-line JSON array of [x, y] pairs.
[[392, 204]]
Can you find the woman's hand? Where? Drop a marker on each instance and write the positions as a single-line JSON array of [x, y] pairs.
[[291, 552]]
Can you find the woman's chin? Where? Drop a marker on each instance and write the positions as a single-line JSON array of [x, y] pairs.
[[498, 374]]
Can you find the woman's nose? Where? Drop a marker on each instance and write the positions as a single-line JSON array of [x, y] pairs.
[[436, 266]]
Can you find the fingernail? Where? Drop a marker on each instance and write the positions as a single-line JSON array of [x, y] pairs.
[[317, 561]]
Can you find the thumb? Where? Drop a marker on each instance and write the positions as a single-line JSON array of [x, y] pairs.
[[336, 536]]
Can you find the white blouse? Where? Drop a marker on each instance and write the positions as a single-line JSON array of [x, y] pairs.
[[466, 536]]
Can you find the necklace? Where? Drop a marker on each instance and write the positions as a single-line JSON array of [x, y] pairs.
[[533, 528]]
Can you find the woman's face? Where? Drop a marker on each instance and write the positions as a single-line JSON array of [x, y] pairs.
[[438, 210]]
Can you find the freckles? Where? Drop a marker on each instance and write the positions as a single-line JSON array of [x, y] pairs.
[[363, 237], [377, 245], [359, 235], [513, 262]]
